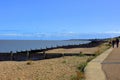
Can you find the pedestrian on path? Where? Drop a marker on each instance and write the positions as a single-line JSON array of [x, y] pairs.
[[113, 43], [117, 42]]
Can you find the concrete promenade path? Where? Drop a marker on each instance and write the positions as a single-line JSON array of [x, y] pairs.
[[93, 70], [111, 65]]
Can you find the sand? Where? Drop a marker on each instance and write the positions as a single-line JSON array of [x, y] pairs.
[[63, 68], [74, 50]]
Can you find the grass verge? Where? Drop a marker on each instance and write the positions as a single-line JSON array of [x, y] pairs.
[[80, 73]]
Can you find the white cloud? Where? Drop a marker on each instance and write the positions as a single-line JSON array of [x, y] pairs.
[[15, 34], [114, 32], [25, 34], [64, 35]]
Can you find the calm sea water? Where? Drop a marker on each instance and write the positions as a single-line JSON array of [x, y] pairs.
[[23, 45]]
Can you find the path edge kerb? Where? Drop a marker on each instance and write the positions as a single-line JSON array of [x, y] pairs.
[[93, 70]]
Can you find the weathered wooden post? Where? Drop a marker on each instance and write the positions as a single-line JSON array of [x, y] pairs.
[[44, 54], [11, 55], [28, 55]]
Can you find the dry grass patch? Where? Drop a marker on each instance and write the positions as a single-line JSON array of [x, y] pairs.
[[102, 48]]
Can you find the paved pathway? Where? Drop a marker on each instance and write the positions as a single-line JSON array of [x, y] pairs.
[[111, 65], [93, 70]]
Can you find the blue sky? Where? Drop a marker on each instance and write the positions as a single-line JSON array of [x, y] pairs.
[[59, 19]]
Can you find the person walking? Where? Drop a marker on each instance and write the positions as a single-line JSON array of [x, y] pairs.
[[113, 43], [117, 42]]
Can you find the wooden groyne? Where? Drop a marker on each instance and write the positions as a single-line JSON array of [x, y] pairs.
[[35, 56], [40, 54]]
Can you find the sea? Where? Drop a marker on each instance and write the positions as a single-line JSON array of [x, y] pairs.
[[7, 46]]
